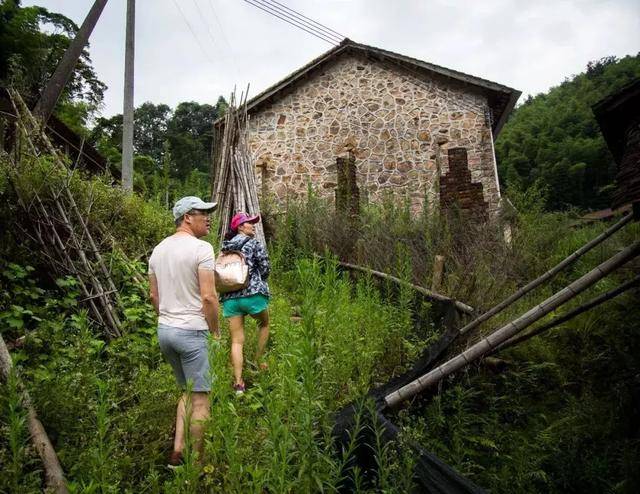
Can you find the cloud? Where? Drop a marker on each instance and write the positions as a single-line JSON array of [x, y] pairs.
[[527, 45]]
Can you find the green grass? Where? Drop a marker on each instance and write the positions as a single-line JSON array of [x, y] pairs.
[[110, 408]]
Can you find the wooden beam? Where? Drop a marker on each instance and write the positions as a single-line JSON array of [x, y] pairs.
[[53, 471]]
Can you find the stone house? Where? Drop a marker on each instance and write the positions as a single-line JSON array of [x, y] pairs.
[[409, 127]]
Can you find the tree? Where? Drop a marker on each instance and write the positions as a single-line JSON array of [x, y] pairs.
[[190, 134], [29, 56], [150, 128]]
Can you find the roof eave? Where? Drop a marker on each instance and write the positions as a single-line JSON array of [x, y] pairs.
[[504, 116]]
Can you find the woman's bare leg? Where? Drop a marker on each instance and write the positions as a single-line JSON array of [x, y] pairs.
[[263, 334], [236, 327]]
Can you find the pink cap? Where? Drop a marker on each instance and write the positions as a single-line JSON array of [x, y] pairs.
[[240, 218]]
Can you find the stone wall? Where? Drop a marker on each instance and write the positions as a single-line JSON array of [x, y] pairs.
[[398, 125]]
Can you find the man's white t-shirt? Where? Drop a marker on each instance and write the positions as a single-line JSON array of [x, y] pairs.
[[175, 262]]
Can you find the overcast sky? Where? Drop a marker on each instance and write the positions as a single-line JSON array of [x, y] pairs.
[[197, 50]]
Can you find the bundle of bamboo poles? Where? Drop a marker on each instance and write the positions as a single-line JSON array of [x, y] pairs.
[[234, 183], [57, 223]]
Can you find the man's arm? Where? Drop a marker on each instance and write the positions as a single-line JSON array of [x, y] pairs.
[[153, 292], [209, 300]]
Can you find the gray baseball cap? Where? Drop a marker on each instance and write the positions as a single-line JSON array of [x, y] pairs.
[[188, 203]]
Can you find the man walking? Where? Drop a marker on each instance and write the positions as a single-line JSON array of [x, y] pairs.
[[183, 294]]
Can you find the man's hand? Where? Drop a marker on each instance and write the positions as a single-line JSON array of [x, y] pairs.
[[153, 289], [209, 300]]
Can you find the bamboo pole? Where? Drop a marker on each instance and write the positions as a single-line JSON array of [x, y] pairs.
[[489, 343], [460, 306], [594, 302], [54, 476], [70, 198], [546, 276]]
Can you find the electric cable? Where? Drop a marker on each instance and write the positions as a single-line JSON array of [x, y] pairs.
[[206, 24], [313, 33], [302, 21], [184, 17], [298, 14], [224, 38]]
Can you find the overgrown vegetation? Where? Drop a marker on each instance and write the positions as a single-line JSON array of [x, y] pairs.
[[562, 415], [545, 423]]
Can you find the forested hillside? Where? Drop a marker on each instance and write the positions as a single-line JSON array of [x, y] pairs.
[[552, 140]]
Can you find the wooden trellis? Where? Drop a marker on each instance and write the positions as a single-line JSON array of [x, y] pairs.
[[58, 224]]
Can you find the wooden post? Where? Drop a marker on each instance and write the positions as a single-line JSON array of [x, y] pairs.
[[438, 268], [56, 84], [127, 114]]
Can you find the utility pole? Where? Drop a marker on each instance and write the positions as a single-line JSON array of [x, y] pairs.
[[56, 84], [127, 114]]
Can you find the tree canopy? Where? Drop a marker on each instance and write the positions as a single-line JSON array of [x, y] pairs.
[[553, 141], [32, 43]]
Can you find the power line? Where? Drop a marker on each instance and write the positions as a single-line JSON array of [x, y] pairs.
[[206, 54], [224, 36], [206, 24], [298, 14], [313, 33], [299, 22]]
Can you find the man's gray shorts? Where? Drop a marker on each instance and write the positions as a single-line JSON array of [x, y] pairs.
[[187, 352]]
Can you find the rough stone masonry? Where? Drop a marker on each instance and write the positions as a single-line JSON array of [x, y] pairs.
[[403, 129]]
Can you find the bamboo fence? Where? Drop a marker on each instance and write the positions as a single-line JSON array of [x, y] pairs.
[[234, 187]]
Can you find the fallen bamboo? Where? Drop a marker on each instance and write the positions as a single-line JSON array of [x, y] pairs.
[[546, 276], [462, 307], [489, 343], [54, 476], [600, 299]]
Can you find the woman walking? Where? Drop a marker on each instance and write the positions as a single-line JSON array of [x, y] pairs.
[[252, 300]]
